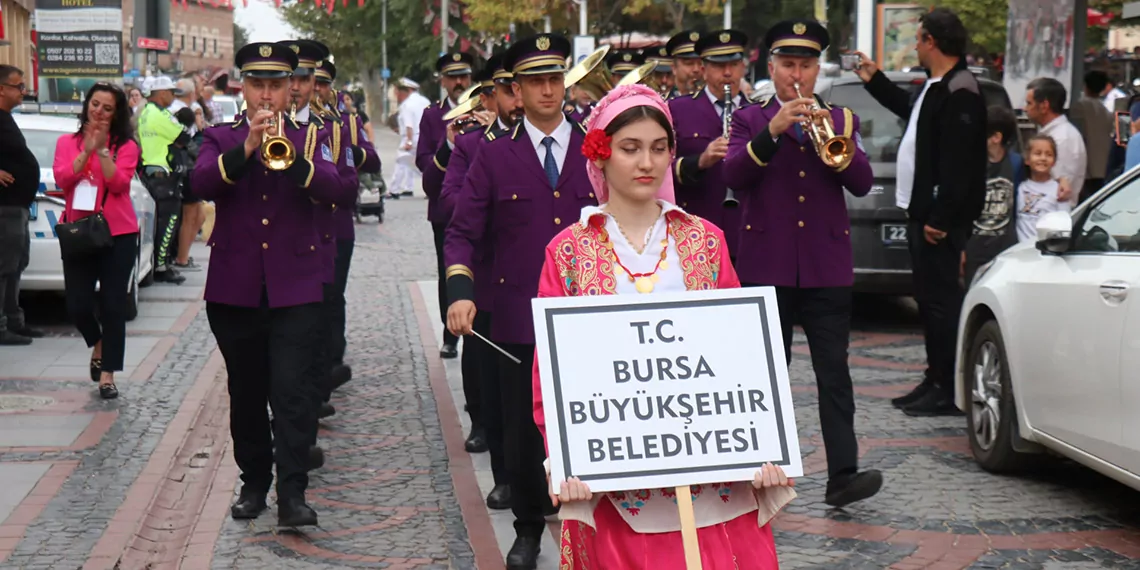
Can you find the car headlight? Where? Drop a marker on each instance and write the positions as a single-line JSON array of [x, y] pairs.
[[982, 269]]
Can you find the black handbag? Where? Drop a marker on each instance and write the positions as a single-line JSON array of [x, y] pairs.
[[86, 235]]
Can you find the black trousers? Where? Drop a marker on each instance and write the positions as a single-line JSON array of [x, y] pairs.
[[438, 232], [167, 213], [111, 268], [481, 365], [332, 326], [825, 315], [939, 294], [268, 354], [522, 442]]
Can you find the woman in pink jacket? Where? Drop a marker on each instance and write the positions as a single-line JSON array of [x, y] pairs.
[[638, 242], [93, 168]]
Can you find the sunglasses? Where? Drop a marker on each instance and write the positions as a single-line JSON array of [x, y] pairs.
[[18, 86]]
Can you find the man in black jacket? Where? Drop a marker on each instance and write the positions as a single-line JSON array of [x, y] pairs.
[[19, 182], [941, 183]]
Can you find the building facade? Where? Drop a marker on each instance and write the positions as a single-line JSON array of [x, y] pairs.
[[16, 44], [201, 36]]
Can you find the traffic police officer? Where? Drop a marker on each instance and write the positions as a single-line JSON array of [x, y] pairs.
[[264, 286], [663, 70], [622, 61], [521, 191], [455, 77], [699, 123], [354, 138], [507, 109], [686, 62], [796, 234]]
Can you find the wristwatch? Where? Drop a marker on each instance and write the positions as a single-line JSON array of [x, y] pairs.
[[104, 152]]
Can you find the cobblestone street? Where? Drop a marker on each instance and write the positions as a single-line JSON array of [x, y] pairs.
[[146, 481]]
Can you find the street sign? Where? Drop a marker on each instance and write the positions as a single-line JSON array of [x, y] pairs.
[[385, 73], [154, 43]]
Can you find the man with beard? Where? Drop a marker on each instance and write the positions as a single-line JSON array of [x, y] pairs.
[[663, 67], [484, 361], [687, 65], [455, 77]]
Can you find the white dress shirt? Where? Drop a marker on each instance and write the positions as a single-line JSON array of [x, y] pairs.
[[303, 115], [670, 277], [905, 163], [1072, 159], [561, 144], [737, 102]]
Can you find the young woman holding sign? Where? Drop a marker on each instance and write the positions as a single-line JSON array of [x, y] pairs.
[[639, 242]]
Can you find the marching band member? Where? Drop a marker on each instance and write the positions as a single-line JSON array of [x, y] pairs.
[[701, 144], [580, 104], [796, 231], [622, 61], [640, 243], [521, 191], [264, 286], [686, 62], [455, 76], [508, 111], [663, 72]]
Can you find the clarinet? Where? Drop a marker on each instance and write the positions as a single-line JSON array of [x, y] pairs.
[[730, 200]]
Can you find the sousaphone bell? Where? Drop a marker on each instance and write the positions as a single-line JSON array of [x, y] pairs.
[[643, 75], [591, 75]]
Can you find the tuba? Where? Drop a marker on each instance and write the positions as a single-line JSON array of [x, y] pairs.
[[591, 74], [730, 200], [643, 75], [835, 151], [277, 151]]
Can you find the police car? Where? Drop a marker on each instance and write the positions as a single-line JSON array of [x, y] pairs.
[[45, 270]]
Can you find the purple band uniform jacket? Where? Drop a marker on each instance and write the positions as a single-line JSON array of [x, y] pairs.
[[365, 160], [697, 123], [458, 164], [576, 115], [508, 207], [331, 216], [433, 133], [266, 234], [795, 230]]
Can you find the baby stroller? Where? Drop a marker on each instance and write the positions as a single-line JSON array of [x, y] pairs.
[[370, 196]]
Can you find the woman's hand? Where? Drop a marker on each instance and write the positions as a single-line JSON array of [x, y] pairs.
[[573, 489], [772, 476], [95, 137]]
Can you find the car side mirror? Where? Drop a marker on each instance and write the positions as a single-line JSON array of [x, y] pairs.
[[1054, 232]]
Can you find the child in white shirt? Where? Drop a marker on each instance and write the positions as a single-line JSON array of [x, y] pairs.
[[1037, 195]]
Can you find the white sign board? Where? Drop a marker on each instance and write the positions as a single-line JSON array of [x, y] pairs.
[[665, 390], [583, 46]]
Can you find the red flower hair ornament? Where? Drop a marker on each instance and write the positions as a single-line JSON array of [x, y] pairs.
[[597, 145]]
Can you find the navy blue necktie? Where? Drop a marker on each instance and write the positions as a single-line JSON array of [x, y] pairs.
[[549, 164], [720, 108]]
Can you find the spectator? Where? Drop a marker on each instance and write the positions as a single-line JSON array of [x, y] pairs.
[[996, 230], [19, 182], [1109, 94], [1040, 193], [101, 159], [941, 182], [1132, 156], [411, 109], [157, 131], [182, 157], [136, 100], [1044, 103], [1097, 128], [214, 113], [185, 95]]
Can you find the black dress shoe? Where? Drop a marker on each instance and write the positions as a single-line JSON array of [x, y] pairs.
[[169, 276], [249, 505], [476, 441], [339, 375], [327, 411], [499, 498], [9, 338], [842, 490], [524, 553], [27, 331], [108, 391], [294, 512], [316, 457], [933, 404], [448, 351], [914, 395]]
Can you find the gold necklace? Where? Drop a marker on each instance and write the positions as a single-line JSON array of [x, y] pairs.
[[644, 282]]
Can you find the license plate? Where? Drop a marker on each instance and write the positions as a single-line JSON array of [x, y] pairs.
[[894, 235], [34, 210]]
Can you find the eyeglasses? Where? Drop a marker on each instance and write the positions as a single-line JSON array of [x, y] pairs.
[[18, 86]]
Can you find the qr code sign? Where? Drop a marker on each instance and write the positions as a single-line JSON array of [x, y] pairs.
[[107, 54]]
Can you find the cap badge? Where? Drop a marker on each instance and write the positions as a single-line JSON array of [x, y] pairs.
[[296, 48], [799, 29], [456, 57], [694, 36], [627, 57], [725, 37], [265, 51], [543, 43]]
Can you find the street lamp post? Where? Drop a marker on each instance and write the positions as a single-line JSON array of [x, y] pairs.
[[727, 14], [384, 58], [443, 25]]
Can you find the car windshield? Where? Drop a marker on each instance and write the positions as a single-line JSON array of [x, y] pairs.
[[882, 130], [42, 144]]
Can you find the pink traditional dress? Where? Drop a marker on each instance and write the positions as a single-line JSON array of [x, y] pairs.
[[640, 529]]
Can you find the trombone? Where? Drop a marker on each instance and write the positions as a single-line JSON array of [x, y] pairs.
[[730, 200], [591, 75], [277, 151], [835, 151]]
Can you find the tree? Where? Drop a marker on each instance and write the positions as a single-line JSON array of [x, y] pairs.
[[987, 29], [675, 10], [241, 35]]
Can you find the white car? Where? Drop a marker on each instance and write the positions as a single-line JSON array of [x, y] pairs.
[[1049, 342], [45, 269], [230, 108]]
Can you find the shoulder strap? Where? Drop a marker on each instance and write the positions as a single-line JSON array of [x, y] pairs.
[[352, 128]]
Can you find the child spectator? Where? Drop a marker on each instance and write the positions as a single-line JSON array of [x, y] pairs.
[[1038, 195], [995, 229]]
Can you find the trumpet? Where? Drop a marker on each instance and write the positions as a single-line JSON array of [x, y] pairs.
[[730, 200], [277, 151], [835, 151]]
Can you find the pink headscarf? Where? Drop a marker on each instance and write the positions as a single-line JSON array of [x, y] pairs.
[[613, 104]]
